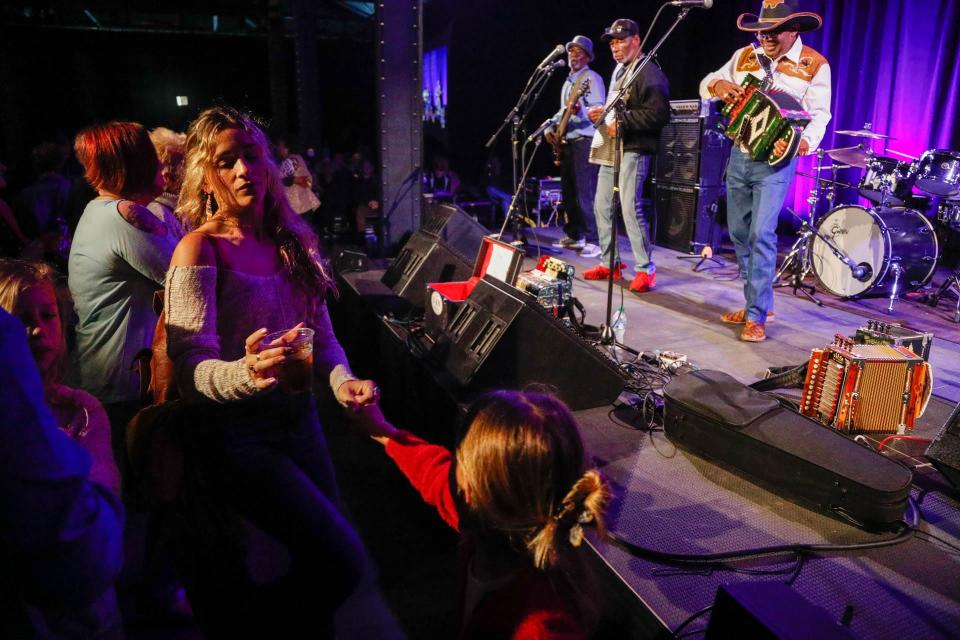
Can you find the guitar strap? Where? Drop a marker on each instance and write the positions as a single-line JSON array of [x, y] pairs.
[[765, 64]]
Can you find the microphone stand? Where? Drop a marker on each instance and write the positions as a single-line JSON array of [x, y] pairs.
[[515, 118], [618, 105]]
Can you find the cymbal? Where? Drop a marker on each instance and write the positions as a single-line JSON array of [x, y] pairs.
[[836, 182], [854, 156], [864, 133], [833, 167]]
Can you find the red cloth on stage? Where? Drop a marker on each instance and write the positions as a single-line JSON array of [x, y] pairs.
[[529, 606]]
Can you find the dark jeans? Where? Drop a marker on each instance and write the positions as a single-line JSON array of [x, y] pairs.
[[268, 459], [578, 179]]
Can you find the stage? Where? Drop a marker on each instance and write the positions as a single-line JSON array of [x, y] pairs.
[[672, 501]]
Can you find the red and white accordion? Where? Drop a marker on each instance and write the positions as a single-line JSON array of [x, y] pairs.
[[866, 387]]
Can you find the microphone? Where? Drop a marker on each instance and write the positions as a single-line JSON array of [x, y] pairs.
[[692, 4], [861, 272], [558, 52], [553, 66], [543, 127]]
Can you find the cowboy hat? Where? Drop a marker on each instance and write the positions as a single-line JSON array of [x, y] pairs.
[[779, 15]]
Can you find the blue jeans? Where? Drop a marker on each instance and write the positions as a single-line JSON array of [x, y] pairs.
[[268, 459], [633, 173], [755, 194], [578, 179]]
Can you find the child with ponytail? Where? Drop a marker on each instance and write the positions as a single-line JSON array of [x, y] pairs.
[[517, 491]]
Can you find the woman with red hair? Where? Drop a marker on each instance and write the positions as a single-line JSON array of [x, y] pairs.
[[118, 260]]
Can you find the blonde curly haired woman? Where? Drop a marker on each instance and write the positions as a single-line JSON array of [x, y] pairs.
[[251, 266]]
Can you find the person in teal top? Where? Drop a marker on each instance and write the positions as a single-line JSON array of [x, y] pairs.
[[119, 258]]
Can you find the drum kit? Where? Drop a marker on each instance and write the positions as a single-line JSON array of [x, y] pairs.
[[888, 249]]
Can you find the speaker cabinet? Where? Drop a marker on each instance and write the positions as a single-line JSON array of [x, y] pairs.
[[944, 451], [692, 149], [461, 233], [689, 217], [444, 250], [422, 260], [501, 338], [769, 610]]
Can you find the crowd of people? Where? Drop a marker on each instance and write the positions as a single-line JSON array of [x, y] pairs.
[[209, 219]]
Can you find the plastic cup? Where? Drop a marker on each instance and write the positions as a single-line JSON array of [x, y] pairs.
[[295, 374]]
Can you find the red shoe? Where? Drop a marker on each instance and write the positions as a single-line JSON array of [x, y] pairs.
[[601, 272], [643, 282]]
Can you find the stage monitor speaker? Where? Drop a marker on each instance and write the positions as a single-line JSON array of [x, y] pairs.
[[693, 150], [455, 227], [350, 258], [769, 610], [944, 451], [422, 260], [689, 217], [501, 338]]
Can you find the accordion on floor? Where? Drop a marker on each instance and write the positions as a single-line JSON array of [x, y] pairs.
[[866, 387]]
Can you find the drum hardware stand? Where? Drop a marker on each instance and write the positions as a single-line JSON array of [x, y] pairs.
[[952, 286], [798, 262], [895, 287]]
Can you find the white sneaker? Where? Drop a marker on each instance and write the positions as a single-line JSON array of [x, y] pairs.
[[567, 242], [589, 250]]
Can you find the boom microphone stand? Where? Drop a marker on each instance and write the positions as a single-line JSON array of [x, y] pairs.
[[515, 118], [618, 106]]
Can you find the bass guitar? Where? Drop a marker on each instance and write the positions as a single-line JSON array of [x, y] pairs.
[[560, 134]]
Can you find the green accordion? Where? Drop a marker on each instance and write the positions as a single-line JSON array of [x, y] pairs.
[[758, 119]]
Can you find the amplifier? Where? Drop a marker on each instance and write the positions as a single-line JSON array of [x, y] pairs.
[[692, 149], [689, 217], [866, 387], [551, 193]]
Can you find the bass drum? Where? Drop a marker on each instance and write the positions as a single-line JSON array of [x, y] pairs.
[[879, 240]]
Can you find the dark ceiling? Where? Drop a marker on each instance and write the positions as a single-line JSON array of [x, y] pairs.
[[335, 19]]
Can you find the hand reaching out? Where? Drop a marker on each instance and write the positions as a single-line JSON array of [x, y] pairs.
[[369, 419], [356, 394]]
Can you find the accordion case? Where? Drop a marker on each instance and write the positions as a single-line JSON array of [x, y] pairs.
[[711, 414]]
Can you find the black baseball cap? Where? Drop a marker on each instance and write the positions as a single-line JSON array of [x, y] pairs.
[[620, 29]]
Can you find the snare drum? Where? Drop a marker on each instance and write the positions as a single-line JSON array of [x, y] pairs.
[[938, 172], [889, 173], [876, 239]]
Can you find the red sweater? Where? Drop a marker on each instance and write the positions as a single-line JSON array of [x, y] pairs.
[[528, 607]]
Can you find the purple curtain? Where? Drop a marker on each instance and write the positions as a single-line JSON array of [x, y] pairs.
[[896, 65]]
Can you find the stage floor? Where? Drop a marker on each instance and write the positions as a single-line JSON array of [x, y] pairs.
[[683, 314], [670, 500]]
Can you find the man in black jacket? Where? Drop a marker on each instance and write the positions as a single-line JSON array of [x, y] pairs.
[[647, 112]]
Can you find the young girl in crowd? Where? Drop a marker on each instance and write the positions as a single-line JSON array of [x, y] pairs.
[[28, 291], [519, 495], [249, 266]]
